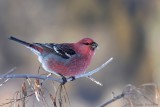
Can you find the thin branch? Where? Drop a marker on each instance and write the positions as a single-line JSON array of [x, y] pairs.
[[94, 80], [112, 100], [95, 70], [9, 72], [42, 77], [131, 91], [16, 100]]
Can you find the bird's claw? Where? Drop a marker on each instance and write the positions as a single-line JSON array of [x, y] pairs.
[[72, 78], [64, 80]]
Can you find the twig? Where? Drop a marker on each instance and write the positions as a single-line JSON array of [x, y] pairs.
[[95, 70], [42, 77], [4, 82], [94, 80], [131, 91], [112, 100], [16, 100], [9, 72]]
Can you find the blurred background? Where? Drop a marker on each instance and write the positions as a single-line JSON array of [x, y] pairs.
[[127, 30]]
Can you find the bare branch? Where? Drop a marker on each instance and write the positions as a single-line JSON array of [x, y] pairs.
[[9, 72], [42, 77], [16, 100], [88, 74], [94, 80], [145, 95], [95, 70], [112, 100]]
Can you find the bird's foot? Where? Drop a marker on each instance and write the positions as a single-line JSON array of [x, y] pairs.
[[72, 78], [64, 80]]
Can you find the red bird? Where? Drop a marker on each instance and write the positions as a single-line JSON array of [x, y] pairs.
[[66, 59]]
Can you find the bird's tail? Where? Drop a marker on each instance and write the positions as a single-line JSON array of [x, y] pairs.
[[20, 41], [35, 48]]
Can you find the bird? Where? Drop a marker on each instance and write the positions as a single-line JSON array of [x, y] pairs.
[[63, 59]]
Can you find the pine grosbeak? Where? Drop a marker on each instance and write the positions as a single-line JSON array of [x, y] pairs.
[[66, 59]]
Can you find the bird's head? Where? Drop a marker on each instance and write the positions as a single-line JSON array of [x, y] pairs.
[[87, 45]]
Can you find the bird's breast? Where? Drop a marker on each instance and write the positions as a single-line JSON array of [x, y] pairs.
[[67, 67]]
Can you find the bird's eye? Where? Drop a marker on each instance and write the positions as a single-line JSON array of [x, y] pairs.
[[86, 43]]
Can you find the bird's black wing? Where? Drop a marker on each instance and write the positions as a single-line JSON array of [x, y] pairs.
[[63, 50]]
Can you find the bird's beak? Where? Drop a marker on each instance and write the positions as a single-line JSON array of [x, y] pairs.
[[94, 45]]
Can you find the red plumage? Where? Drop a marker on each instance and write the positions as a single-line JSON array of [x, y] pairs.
[[67, 59]]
